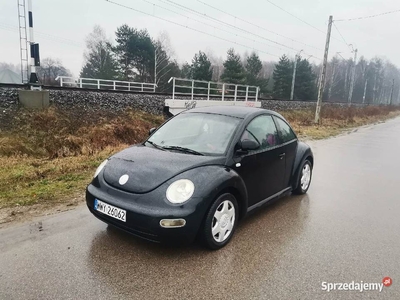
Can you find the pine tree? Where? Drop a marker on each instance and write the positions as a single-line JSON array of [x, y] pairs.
[[186, 71], [282, 78], [233, 69], [305, 88], [100, 64], [253, 68], [201, 67], [135, 52], [122, 51], [99, 59]]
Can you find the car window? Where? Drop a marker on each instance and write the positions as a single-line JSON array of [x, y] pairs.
[[205, 133], [286, 132], [263, 130]]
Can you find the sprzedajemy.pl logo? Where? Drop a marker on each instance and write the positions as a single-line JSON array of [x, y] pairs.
[[356, 286]]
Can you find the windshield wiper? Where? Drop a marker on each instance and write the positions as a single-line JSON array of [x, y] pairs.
[[182, 149], [155, 145]]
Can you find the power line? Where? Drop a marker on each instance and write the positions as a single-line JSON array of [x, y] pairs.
[[371, 16], [230, 25], [207, 24], [263, 28], [44, 35], [340, 33], [305, 22], [344, 40], [188, 27], [301, 20]]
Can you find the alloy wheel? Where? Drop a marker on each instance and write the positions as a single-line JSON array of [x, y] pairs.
[[223, 221]]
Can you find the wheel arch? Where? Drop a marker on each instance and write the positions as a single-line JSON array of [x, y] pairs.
[[240, 198], [303, 153]]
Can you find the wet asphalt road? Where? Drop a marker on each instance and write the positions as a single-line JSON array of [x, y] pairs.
[[347, 228]]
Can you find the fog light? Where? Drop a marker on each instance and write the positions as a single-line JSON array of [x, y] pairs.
[[172, 223]]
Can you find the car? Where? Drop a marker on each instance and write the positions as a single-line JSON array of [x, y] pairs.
[[199, 173]]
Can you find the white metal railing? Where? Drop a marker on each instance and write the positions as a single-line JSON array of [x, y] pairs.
[[102, 84], [214, 90]]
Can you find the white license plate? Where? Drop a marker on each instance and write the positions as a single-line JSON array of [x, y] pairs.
[[109, 210]]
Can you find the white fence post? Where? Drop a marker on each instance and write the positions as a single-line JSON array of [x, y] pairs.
[[173, 88], [129, 86], [114, 85], [247, 92], [235, 91], [192, 89], [142, 87], [223, 91], [257, 91], [208, 91], [80, 82], [98, 84], [61, 81]]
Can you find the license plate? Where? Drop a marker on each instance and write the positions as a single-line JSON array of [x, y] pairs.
[[109, 210]]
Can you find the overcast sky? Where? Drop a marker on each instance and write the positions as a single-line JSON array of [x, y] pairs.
[[61, 27]]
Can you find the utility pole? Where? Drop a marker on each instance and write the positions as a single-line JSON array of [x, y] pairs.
[[331, 81], [391, 93], [353, 76], [365, 90], [398, 97], [323, 72], [297, 56], [155, 65]]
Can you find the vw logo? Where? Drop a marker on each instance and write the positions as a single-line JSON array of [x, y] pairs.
[[123, 179]]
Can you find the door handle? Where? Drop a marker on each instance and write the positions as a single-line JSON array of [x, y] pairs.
[[282, 155]]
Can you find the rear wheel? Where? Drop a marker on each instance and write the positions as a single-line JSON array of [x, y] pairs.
[[304, 179], [220, 222]]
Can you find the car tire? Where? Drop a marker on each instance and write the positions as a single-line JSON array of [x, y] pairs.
[[304, 180], [223, 217]]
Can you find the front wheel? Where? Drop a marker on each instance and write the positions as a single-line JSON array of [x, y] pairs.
[[304, 179], [220, 222]]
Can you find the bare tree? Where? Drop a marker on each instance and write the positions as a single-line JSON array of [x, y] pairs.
[[217, 64], [49, 69]]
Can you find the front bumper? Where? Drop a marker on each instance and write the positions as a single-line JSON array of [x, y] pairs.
[[145, 211]]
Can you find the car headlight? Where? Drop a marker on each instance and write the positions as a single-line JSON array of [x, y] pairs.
[[180, 191], [100, 168]]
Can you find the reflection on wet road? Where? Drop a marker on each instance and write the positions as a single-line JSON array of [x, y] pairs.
[[347, 228]]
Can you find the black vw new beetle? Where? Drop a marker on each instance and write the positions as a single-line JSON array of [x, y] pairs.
[[200, 173]]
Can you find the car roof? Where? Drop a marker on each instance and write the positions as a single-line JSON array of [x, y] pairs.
[[233, 111]]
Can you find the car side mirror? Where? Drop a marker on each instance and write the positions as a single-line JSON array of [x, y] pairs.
[[246, 145], [249, 145], [152, 130]]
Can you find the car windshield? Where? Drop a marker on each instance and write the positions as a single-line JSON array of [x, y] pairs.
[[202, 133]]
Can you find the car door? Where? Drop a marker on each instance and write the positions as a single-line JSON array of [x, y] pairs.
[[289, 146], [262, 170]]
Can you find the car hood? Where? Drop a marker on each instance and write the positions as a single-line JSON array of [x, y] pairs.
[[148, 168]]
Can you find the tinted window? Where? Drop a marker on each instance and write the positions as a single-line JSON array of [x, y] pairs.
[[287, 133], [262, 129]]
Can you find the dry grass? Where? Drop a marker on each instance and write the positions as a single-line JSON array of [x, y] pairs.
[[335, 120], [53, 133], [27, 180], [47, 157]]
